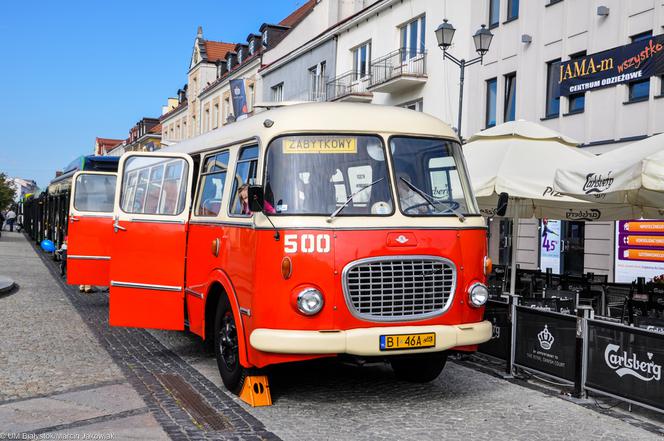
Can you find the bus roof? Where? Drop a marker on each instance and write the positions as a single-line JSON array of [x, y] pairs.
[[320, 118]]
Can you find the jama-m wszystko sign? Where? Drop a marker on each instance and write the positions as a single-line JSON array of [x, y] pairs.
[[636, 61]]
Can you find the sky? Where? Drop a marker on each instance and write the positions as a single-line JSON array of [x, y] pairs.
[[74, 70]]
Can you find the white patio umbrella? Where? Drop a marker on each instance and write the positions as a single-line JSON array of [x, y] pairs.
[[632, 174], [521, 158]]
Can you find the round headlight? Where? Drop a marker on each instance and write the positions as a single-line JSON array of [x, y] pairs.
[[310, 301], [478, 294]]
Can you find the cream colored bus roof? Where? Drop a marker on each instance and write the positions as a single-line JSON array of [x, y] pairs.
[[320, 117]]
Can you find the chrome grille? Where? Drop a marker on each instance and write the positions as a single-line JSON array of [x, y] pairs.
[[399, 287]]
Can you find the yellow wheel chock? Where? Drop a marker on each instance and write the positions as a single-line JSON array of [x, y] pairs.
[[256, 391]]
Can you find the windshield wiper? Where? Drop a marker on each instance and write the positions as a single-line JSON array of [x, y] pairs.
[[338, 210], [432, 201]]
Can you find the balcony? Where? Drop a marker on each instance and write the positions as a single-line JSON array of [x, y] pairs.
[[349, 87], [398, 71]]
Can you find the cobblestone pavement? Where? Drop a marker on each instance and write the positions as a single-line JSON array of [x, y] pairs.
[[329, 400]]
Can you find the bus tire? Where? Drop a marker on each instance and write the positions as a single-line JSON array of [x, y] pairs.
[[419, 368], [226, 347]]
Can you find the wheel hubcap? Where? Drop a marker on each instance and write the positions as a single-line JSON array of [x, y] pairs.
[[228, 342]]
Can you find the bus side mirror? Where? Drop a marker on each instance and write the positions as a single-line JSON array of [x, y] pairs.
[[503, 200], [256, 198]]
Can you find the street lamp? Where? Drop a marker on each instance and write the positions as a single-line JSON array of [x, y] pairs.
[[482, 40]]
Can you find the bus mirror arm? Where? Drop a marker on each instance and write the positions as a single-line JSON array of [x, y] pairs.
[[256, 204]]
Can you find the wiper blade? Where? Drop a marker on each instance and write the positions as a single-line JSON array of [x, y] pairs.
[[338, 210], [432, 201]]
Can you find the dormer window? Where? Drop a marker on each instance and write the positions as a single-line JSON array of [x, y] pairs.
[[265, 38], [229, 64], [240, 56], [252, 46]]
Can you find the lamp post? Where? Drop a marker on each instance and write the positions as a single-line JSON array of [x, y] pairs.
[[482, 40]]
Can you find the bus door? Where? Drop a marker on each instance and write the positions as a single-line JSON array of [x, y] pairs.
[[89, 230], [149, 240]]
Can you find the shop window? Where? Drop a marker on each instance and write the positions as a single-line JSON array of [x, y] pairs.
[[552, 89], [494, 13], [509, 113], [491, 102], [640, 90], [512, 9]]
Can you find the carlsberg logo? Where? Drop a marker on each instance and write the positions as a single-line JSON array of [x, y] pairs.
[[596, 183], [625, 364]]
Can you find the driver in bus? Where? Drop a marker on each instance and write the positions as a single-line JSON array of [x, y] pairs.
[[243, 193], [411, 202]]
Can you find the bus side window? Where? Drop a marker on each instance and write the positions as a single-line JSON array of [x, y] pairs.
[[211, 186], [245, 173], [154, 186], [94, 193]]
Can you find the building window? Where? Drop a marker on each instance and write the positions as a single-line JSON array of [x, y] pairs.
[[278, 92], [240, 55], [577, 101], [491, 101], [317, 82], [226, 109], [416, 105], [215, 115], [206, 120], [512, 9], [494, 13], [250, 97], [361, 60], [552, 88], [252, 46], [640, 90], [413, 38], [510, 97]]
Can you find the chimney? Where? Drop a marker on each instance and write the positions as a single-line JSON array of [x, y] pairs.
[[58, 173]]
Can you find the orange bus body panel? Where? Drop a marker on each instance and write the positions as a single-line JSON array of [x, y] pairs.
[[151, 254], [89, 236], [265, 293]]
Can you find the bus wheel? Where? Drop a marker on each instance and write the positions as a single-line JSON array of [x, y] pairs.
[[226, 347], [419, 368]]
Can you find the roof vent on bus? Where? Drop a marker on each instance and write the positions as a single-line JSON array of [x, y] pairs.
[[268, 123]]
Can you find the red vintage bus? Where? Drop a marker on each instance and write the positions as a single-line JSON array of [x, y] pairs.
[[307, 231]]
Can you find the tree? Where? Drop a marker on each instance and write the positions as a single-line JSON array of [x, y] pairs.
[[7, 193]]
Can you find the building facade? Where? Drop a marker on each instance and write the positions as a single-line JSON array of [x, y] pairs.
[[518, 80]]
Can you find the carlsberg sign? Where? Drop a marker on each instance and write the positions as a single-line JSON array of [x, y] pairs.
[[624, 363]]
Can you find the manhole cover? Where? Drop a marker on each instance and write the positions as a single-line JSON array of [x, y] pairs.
[[194, 403], [6, 284]]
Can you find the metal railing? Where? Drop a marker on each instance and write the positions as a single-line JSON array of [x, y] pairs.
[[346, 84], [402, 62]]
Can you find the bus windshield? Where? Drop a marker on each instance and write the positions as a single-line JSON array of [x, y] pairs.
[[430, 178], [317, 174]]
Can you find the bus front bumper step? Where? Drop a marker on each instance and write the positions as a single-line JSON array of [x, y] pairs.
[[366, 341]]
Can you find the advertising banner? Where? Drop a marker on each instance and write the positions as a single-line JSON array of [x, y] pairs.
[[499, 345], [626, 362], [550, 245], [545, 342], [239, 97], [639, 250], [636, 61]]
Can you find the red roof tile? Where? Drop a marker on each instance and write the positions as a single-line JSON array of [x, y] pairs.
[[217, 50], [155, 129], [298, 15]]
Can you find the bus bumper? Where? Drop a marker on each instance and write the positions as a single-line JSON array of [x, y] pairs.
[[365, 341]]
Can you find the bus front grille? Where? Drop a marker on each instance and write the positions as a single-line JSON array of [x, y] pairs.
[[398, 288]]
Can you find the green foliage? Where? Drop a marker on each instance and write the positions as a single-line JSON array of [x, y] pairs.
[[6, 192]]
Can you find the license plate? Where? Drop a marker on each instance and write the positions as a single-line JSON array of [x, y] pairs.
[[407, 341]]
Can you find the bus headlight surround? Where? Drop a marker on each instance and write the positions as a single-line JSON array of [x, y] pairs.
[[478, 294], [310, 301]]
